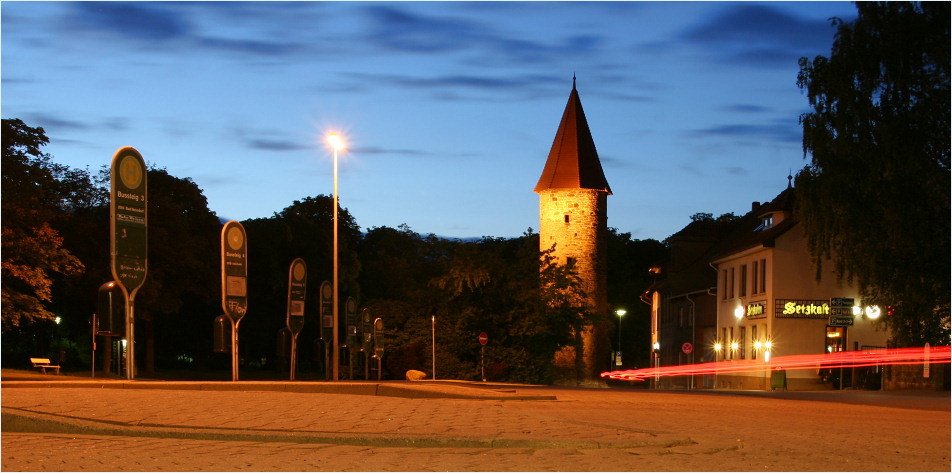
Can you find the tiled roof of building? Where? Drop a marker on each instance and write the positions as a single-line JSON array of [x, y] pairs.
[[746, 234], [704, 241], [573, 162]]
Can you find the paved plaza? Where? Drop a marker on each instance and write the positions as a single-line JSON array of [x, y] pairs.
[[75, 424]]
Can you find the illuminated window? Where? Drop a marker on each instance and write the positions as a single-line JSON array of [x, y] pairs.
[[743, 281], [733, 345], [753, 280], [743, 342], [730, 285], [763, 275], [753, 336]]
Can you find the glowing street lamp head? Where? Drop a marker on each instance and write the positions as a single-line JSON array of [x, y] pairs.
[[621, 312], [718, 347], [336, 141]]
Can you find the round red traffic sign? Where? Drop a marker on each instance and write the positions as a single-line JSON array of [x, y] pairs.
[[687, 348], [483, 338]]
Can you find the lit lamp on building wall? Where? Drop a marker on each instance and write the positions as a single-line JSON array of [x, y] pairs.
[[739, 312], [336, 142]]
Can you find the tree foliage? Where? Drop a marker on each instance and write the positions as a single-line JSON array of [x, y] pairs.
[[34, 191], [875, 197], [56, 255]]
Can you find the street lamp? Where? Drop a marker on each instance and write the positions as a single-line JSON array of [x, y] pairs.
[[336, 142], [620, 313], [717, 353]]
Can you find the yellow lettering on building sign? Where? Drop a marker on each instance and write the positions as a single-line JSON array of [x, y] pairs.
[[794, 308]]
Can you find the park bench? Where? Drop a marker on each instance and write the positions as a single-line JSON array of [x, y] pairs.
[[44, 364]]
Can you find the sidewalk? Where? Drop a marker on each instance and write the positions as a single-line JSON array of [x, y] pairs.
[[76, 424]]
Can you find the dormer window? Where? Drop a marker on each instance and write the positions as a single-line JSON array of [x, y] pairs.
[[765, 222]]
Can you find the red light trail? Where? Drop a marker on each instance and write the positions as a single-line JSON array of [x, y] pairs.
[[843, 359]]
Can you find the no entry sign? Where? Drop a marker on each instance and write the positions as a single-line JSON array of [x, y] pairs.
[[483, 338]]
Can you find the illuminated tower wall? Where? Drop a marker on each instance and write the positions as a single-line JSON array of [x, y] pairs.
[[573, 215]]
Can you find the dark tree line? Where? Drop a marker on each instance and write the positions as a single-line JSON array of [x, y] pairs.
[[875, 195], [56, 255]]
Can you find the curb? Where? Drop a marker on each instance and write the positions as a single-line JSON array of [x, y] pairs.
[[402, 389]]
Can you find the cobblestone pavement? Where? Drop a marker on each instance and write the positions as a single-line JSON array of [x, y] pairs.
[[174, 426]]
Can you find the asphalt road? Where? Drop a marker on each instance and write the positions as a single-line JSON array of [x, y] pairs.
[[61, 424]]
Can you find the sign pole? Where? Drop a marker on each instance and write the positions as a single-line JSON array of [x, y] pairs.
[[293, 354], [128, 224], [234, 349], [234, 282], [130, 336], [297, 289], [482, 361], [95, 328], [483, 339]]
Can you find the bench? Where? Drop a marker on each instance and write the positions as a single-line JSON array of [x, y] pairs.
[[44, 364]]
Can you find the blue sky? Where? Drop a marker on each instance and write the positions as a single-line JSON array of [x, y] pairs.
[[449, 108]]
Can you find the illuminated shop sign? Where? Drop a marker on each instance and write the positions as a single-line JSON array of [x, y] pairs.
[[802, 309], [756, 310]]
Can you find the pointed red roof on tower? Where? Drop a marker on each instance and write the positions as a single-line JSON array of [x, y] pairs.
[[573, 162]]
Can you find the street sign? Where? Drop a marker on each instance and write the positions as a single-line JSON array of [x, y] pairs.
[[128, 225], [687, 348], [378, 337], [841, 311], [350, 316], [297, 287], [483, 338], [128, 219], [327, 305], [842, 302], [234, 270], [841, 321]]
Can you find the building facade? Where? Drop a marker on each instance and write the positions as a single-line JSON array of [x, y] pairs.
[[573, 221], [772, 303], [744, 292]]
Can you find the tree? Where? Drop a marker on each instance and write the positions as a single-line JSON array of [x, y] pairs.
[[304, 229], [875, 197], [628, 277], [34, 191], [182, 288]]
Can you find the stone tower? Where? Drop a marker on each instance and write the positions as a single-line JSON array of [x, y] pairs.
[[573, 215]]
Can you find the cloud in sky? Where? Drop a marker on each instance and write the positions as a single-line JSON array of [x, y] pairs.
[[463, 96], [759, 35]]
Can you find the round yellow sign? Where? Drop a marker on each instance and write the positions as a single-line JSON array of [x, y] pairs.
[[235, 238], [130, 172], [298, 271]]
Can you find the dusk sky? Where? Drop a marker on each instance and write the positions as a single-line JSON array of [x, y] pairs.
[[449, 108]]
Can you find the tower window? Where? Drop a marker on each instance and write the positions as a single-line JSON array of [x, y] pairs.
[[566, 218]]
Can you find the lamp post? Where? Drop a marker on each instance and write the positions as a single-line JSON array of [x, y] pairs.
[[656, 351], [433, 344], [337, 143], [620, 313], [717, 353]]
